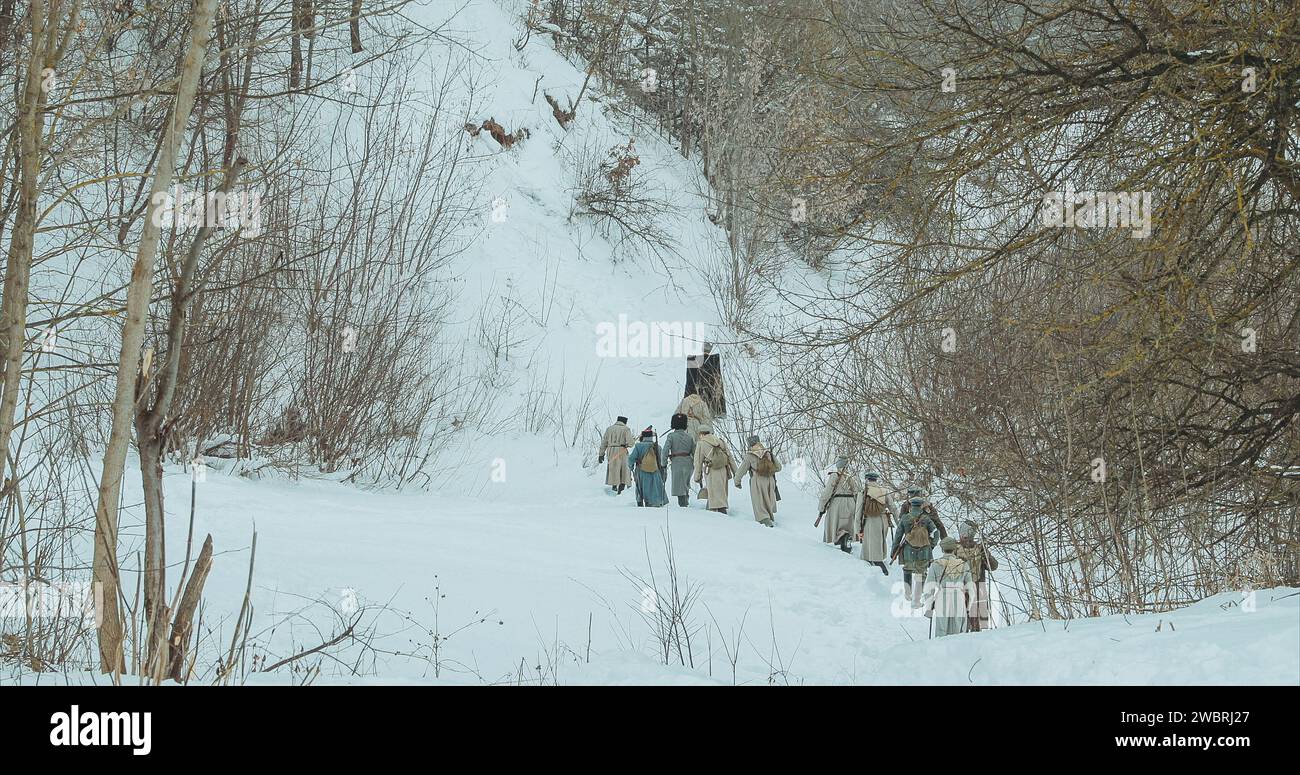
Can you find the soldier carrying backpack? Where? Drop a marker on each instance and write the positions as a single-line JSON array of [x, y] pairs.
[[762, 465], [648, 471], [927, 507], [713, 467], [915, 537], [874, 520], [981, 562]]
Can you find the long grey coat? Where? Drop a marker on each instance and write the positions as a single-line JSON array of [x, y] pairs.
[[838, 504], [717, 478], [614, 446], [679, 449], [762, 489], [874, 530], [946, 586]]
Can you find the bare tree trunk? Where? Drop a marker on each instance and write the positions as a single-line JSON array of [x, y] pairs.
[[295, 56], [137, 313], [30, 125], [356, 26], [150, 434], [692, 69]]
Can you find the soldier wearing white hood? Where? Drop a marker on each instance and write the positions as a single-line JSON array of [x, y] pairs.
[[713, 467], [697, 414]]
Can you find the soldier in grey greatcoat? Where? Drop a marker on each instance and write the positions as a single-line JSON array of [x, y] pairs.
[[838, 505], [679, 449]]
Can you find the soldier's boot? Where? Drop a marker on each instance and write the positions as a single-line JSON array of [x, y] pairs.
[[843, 543], [683, 500]]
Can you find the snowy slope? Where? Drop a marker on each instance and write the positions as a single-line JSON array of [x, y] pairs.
[[557, 279], [1231, 638], [543, 566], [518, 535]]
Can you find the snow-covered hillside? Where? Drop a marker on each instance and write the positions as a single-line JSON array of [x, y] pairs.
[[517, 566], [541, 563]]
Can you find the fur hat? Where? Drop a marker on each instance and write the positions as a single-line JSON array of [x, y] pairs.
[[841, 462], [967, 529], [706, 429], [752, 440], [948, 545], [678, 422], [916, 503], [648, 433], [872, 476], [620, 418]]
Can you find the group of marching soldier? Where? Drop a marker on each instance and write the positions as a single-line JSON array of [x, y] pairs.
[[952, 589], [691, 452]]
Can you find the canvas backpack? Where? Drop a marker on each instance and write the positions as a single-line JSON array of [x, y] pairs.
[[650, 460], [766, 465], [718, 457], [872, 504], [918, 537], [974, 557]]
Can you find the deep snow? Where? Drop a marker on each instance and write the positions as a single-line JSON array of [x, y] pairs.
[[540, 558]]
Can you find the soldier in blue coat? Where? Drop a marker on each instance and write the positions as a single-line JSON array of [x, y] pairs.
[[916, 536], [648, 470]]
